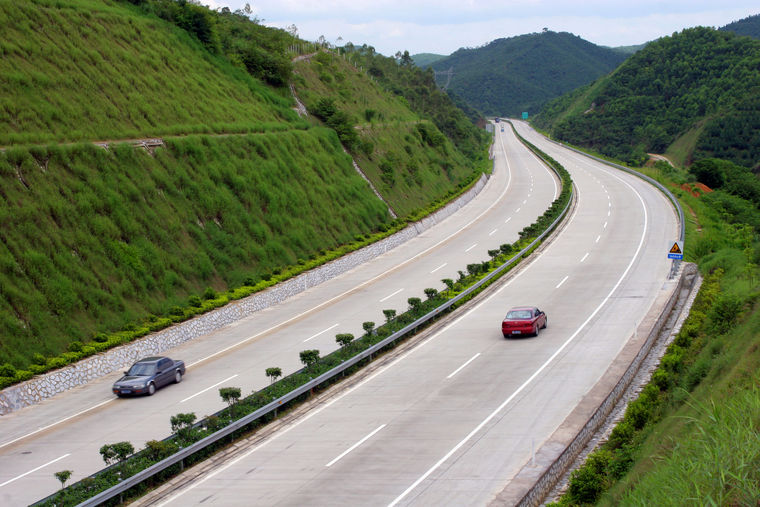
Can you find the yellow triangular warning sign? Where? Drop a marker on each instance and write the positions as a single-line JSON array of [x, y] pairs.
[[675, 249]]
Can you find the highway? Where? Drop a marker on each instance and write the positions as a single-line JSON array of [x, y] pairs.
[[65, 432], [452, 420]]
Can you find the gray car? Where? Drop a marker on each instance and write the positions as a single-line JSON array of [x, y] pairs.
[[149, 374]]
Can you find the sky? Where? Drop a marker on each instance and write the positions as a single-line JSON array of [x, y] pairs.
[[443, 26]]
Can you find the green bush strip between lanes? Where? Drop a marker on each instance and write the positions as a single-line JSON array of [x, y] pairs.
[[160, 461]]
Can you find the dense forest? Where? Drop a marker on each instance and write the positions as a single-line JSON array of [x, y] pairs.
[[748, 26], [701, 85], [509, 76]]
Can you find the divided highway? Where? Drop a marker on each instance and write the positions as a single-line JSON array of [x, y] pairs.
[[66, 431], [451, 421]]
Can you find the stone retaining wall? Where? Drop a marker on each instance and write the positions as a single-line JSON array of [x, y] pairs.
[[49, 384]]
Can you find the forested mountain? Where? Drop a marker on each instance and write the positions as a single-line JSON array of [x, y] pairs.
[[747, 26], [696, 93], [509, 76], [423, 60]]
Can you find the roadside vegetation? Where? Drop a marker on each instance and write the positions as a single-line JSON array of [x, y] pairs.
[[691, 435], [101, 246], [407, 158]]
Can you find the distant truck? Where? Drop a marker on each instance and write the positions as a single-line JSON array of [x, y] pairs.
[[497, 120], [149, 374]]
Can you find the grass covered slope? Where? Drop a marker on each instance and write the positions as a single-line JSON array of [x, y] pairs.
[[406, 158], [95, 240], [95, 70], [700, 86], [509, 76]]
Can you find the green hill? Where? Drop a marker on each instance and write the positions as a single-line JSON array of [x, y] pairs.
[[240, 188], [509, 76], [748, 26], [695, 94], [423, 60], [100, 71]]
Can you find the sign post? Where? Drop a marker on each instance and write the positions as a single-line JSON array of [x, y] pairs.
[[676, 251]]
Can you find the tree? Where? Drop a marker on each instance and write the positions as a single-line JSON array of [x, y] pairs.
[[309, 357], [118, 452], [159, 449], [344, 339], [389, 315], [273, 373], [493, 253], [406, 59], [63, 476], [414, 304], [182, 424], [431, 293], [368, 327], [448, 282], [230, 395]]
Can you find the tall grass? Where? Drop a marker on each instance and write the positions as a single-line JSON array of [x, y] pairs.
[[716, 460], [89, 69], [94, 240]]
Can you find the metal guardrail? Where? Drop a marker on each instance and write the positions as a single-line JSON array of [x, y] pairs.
[[677, 205], [188, 451]]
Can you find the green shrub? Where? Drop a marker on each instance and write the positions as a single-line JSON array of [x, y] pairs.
[[75, 346], [7, 370]]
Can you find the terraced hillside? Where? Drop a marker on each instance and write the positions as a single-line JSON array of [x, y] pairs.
[[97, 240]]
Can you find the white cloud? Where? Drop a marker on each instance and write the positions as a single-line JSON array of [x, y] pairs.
[[443, 26]]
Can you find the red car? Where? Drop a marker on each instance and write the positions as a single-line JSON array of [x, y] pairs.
[[522, 320]]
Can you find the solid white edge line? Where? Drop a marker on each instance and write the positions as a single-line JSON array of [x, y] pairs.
[[439, 267], [57, 422], [321, 333], [32, 471], [543, 366], [563, 281], [357, 444], [391, 295], [465, 364], [208, 388], [473, 246]]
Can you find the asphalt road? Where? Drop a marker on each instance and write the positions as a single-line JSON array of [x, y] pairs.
[[451, 421], [66, 431]]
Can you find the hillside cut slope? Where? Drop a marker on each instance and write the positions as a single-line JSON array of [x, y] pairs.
[[110, 242], [509, 76], [697, 91]]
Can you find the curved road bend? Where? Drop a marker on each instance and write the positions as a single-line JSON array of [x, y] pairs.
[[453, 420], [66, 431]]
